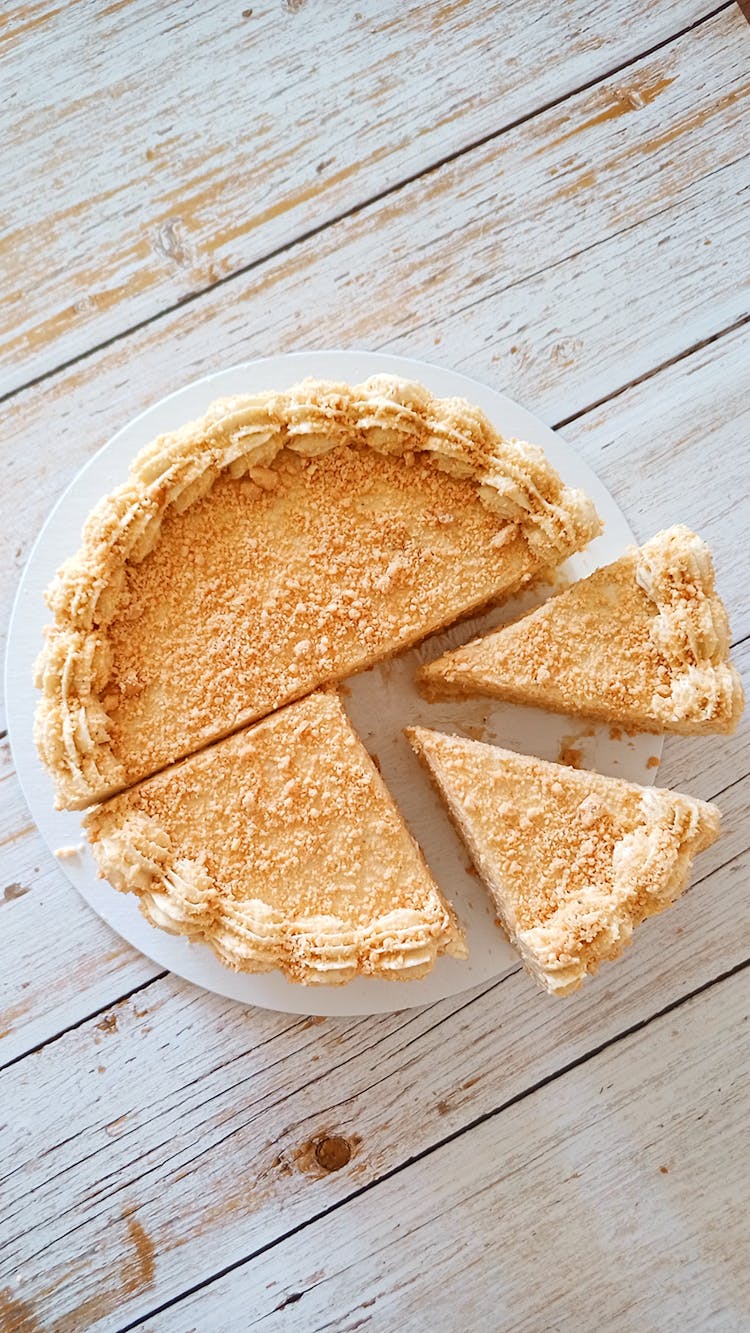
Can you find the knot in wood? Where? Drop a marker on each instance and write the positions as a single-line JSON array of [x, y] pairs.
[[332, 1153]]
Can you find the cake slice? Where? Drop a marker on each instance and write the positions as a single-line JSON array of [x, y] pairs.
[[642, 643], [282, 542], [573, 860], [281, 848]]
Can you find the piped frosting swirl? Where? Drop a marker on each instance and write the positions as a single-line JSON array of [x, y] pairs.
[[179, 896], [691, 629]]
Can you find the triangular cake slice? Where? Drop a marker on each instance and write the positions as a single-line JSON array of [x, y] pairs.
[[642, 643], [282, 542], [573, 860], [282, 849]]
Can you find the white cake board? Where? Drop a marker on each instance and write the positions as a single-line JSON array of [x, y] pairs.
[[381, 701]]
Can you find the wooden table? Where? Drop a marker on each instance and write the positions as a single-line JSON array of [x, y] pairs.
[[553, 197]]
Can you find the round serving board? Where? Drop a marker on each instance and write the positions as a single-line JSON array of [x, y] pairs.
[[381, 701]]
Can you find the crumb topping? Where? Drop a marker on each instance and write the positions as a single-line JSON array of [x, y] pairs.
[[253, 597]]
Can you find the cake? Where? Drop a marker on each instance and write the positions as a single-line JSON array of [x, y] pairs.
[[282, 542], [642, 643], [281, 848], [573, 861]]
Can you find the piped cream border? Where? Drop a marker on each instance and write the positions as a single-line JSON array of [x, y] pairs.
[[179, 896], [690, 631]]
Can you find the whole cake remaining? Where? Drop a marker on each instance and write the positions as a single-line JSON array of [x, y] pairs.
[[643, 643], [283, 541], [280, 847], [574, 861]]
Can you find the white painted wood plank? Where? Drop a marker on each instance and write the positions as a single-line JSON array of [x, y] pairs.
[[193, 1124], [60, 963], [615, 1198], [589, 324], [670, 176], [193, 1098], [150, 150]]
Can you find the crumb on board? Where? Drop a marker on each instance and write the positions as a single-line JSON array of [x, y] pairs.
[[569, 754], [653, 761], [476, 731], [72, 849]]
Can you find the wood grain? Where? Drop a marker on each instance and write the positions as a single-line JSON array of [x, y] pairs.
[[151, 151], [614, 1198], [201, 1120], [60, 962], [558, 316], [652, 444]]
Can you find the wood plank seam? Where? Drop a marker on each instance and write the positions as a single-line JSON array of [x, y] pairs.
[[572, 255], [717, 870], [434, 1027], [119, 999], [353, 210], [324, 1111], [656, 370], [357, 1255], [448, 1139], [300, 1022], [300, 1087], [183, 1006], [717, 797], [555, 363]]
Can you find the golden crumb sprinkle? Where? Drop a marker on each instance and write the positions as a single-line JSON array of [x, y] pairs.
[[328, 570], [570, 754]]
